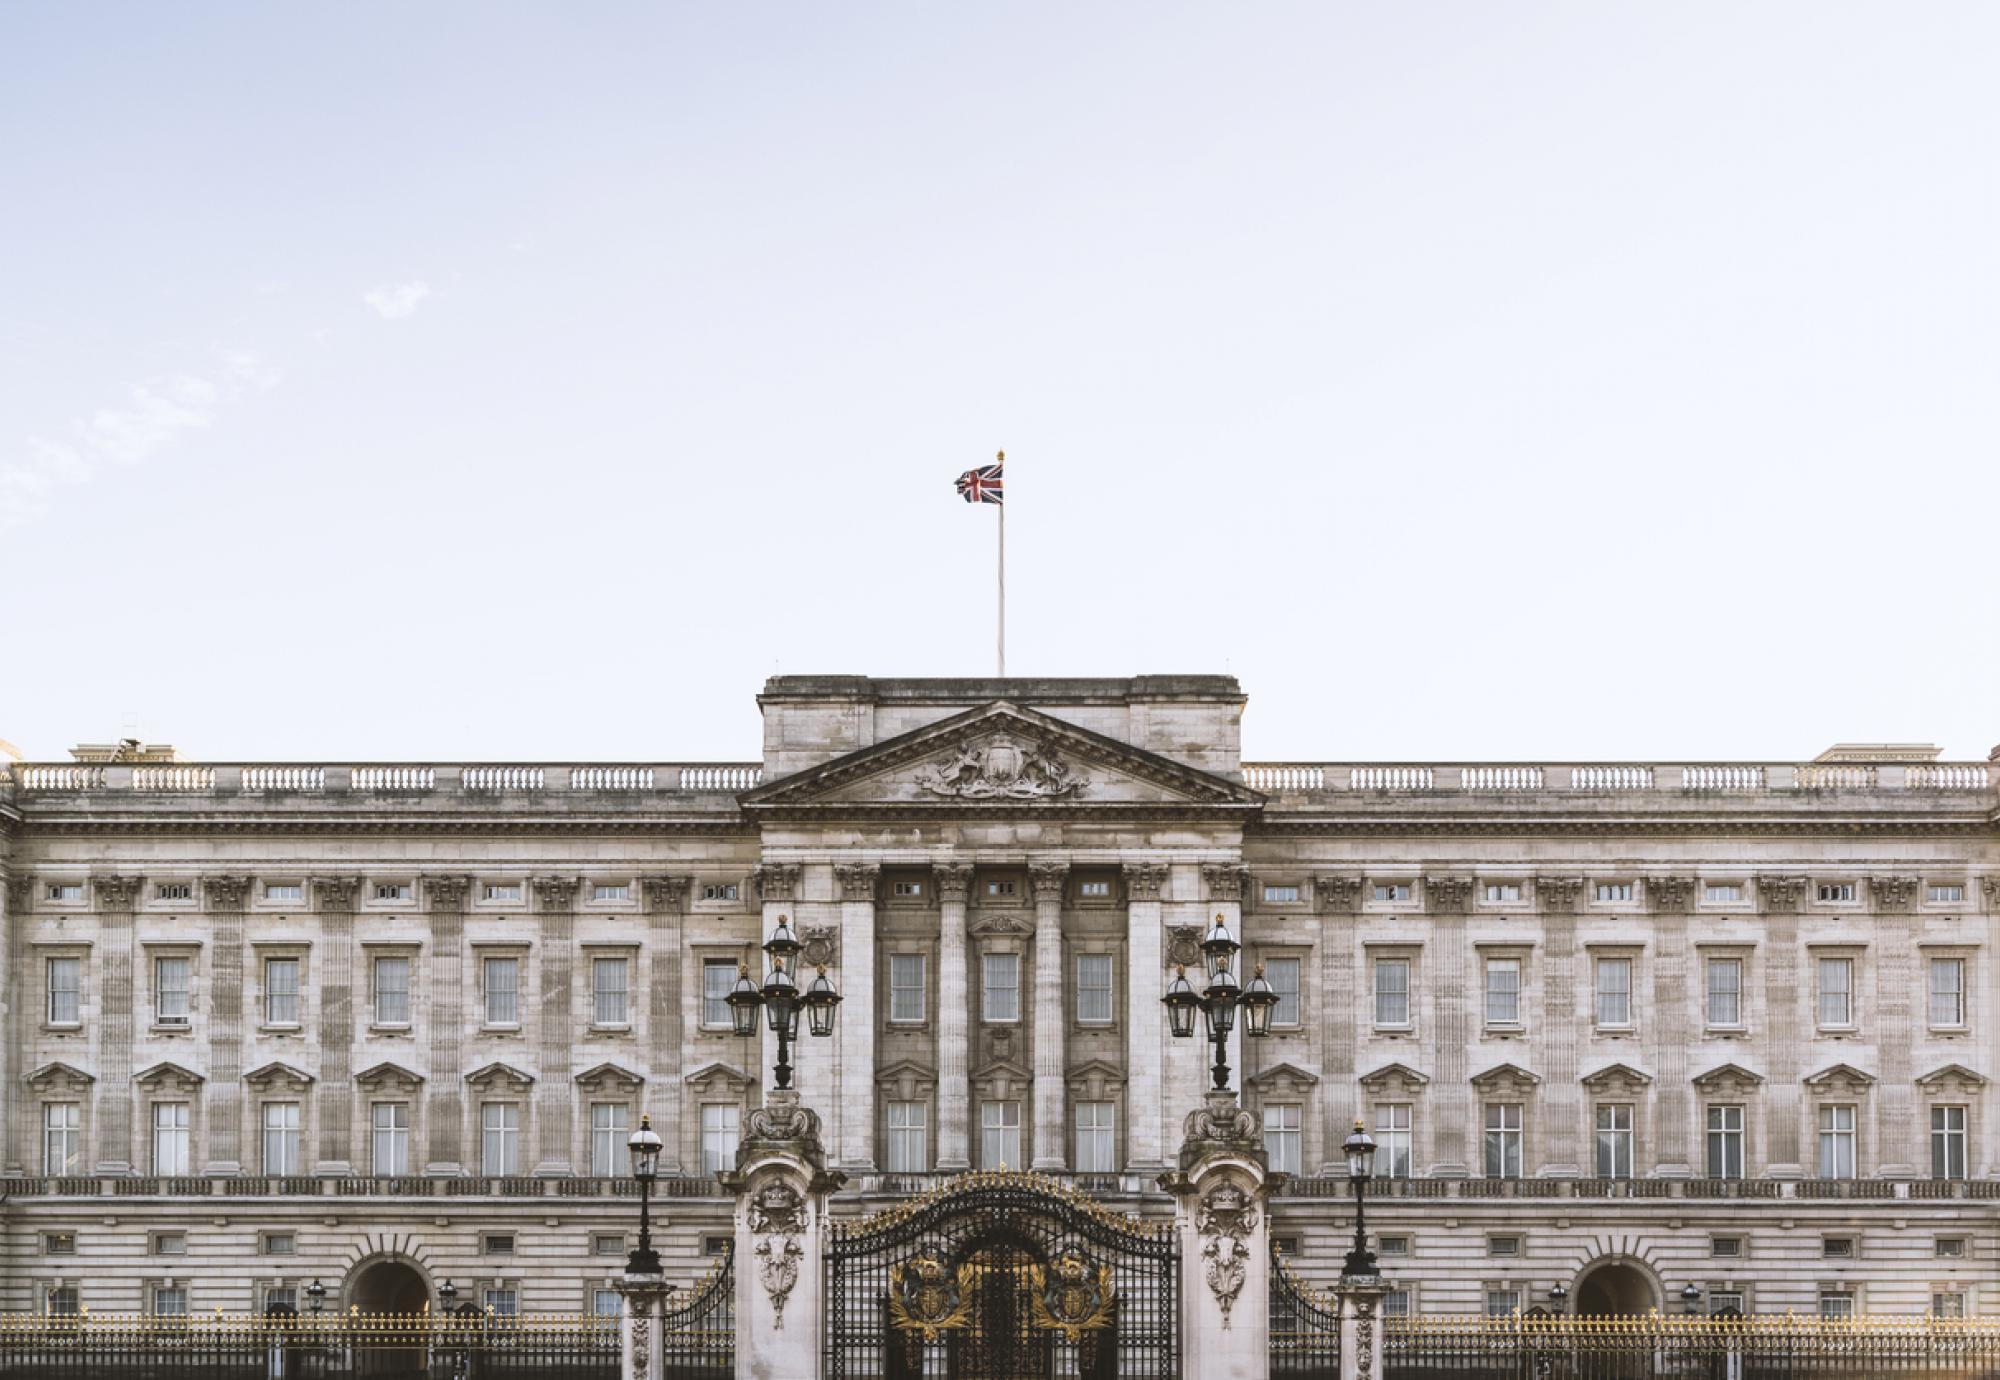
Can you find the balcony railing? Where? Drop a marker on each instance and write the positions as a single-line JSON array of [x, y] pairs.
[[1619, 778], [383, 780]]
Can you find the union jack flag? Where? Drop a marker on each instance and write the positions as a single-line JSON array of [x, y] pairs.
[[981, 485]]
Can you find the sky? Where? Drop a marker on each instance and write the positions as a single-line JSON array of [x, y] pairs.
[[528, 382]]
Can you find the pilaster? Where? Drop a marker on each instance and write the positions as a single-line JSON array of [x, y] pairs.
[[444, 898], [1339, 901], [954, 1094], [859, 885], [333, 968], [224, 1099], [117, 934], [555, 1094], [1673, 1015], [1048, 880], [1788, 998], [1559, 1109], [1900, 984], [666, 928], [1222, 1215], [1146, 1035], [14, 1002], [1453, 1019]]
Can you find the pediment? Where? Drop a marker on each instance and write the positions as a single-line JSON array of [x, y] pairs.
[[1280, 1074], [1502, 1077], [1001, 756], [58, 1075], [609, 1077], [1101, 1072], [387, 1075], [1839, 1077], [1955, 1076], [1725, 1077], [718, 1076], [918, 1075], [1393, 1078], [1002, 1068], [498, 1075], [278, 1076], [1614, 1077], [169, 1075]]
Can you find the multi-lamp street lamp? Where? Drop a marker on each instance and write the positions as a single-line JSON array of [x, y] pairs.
[[1218, 1001]]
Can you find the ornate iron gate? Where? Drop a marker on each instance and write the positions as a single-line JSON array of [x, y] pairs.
[[1002, 1276], [698, 1337], [1305, 1327]]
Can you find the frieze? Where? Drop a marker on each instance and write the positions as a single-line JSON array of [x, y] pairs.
[[1144, 880], [1558, 895], [555, 893], [998, 922], [1225, 881], [1780, 895], [1447, 895], [1001, 767]]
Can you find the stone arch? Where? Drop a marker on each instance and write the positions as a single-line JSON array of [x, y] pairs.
[[1617, 1286], [387, 1283]]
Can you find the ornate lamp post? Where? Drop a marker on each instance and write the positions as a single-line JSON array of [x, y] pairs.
[[315, 1297], [1691, 1299], [1559, 1296], [1219, 1000], [1360, 1148], [780, 996], [645, 1147]]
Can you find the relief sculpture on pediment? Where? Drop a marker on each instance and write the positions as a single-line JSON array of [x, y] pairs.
[[1001, 768]]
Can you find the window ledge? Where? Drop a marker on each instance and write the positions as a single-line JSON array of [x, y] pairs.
[[281, 1028], [172, 1028], [388, 1027], [62, 1027], [621, 1028]]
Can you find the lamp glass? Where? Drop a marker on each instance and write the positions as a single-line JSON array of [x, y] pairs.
[[820, 1001], [1181, 1002], [744, 1002]]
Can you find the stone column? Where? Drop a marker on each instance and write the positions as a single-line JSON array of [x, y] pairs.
[[555, 1092], [954, 1093], [640, 1355], [855, 1032], [333, 977], [1673, 1128], [1345, 1003], [1559, 1111], [115, 1004], [1898, 978], [781, 1187], [1050, 1017], [1455, 1136], [1222, 1216], [666, 909], [1145, 1018], [1360, 1298], [1789, 1016], [444, 1109], [224, 1099]]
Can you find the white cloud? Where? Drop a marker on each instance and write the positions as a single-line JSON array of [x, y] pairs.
[[155, 414], [394, 301]]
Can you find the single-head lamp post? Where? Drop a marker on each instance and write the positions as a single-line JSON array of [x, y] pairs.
[[1360, 1151], [645, 1146]]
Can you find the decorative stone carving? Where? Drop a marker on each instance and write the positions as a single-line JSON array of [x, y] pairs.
[[822, 945], [1220, 1126], [1223, 1222], [278, 1078], [1780, 895], [169, 1077], [777, 1221], [1728, 1078], [782, 1123], [609, 1078], [641, 1350], [58, 1078], [225, 893], [1339, 895], [1364, 1335], [1447, 895], [858, 881], [1558, 895], [1047, 880], [115, 893], [666, 895], [1143, 880], [1394, 1080], [1843, 1080], [500, 1077], [1225, 881], [1670, 894], [1616, 1079], [1893, 895], [1183, 946], [954, 880], [388, 1077], [1991, 886], [1001, 768], [555, 893], [775, 881], [998, 922], [1505, 1080], [335, 893], [446, 893], [1954, 1080]]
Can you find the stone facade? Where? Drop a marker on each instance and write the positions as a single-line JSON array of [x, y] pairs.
[[1624, 1026]]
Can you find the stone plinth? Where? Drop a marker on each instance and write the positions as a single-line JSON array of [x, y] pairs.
[[1221, 1214], [639, 1351], [781, 1185]]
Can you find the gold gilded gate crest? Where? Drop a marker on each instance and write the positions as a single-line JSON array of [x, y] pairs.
[[1075, 1302], [924, 1298]]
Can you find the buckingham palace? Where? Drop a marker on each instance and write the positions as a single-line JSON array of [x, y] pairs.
[[1620, 1029]]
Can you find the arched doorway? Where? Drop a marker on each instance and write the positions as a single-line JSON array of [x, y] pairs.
[[387, 1349], [1616, 1288], [389, 1286]]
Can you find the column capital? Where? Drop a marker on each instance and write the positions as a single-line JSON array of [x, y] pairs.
[[1780, 895], [225, 893], [1338, 895], [1447, 895], [1143, 880], [775, 881], [858, 881], [1991, 886], [1048, 878], [555, 893], [335, 893], [446, 893], [1893, 895], [954, 880], [1670, 894], [1558, 895], [1225, 881], [665, 894], [115, 893]]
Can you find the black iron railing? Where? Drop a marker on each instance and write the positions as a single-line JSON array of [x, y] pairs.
[[1305, 1328], [698, 1336]]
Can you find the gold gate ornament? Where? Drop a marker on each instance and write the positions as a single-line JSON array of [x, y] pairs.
[[923, 1298], [1076, 1302]]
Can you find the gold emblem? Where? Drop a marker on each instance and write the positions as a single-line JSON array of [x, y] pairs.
[[924, 1298], [1076, 1301]]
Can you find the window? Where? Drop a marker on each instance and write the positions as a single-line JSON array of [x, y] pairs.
[[171, 1003], [1725, 992], [609, 979], [499, 1138], [503, 1303], [497, 1244], [1947, 1142], [1503, 1140], [1726, 1247], [1614, 1140], [607, 1243], [392, 991], [1722, 893], [502, 891], [606, 1303], [170, 1243], [1096, 1137], [718, 1136], [906, 987], [1949, 1248], [1947, 992], [999, 888], [610, 1126], [1725, 1303], [1503, 991], [1395, 1303], [1836, 991], [1945, 895], [62, 1137], [503, 991], [719, 891], [1836, 1307], [281, 1138], [281, 991], [1093, 989], [1283, 975], [716, 1245], [170, 1301], [281, 1296], [170, 1138], [66, 891], [390, 1132], [1282, 1123], [1836, 891], [1614, 991], [1000, 987], [1094, 890], [1000, 1134], [1725, 1142], [174, 891], [392, 891], [1614, 891], [1284, 1245], [1502, 1303], [909, 1150], [1503, 891], [1949, 1303], [1281, 895], [63, 1301], [1505, 1247], [58, 1243], [1837, 1248], [906, 889], [280, 1243], [1393, 1140], [718, 976], [1393, 1245], [65, 991], [1392, 891], [614, 891], [1392, 992]]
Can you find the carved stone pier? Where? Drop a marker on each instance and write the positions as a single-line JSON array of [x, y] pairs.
[[781, 1185], [1222, 1216]]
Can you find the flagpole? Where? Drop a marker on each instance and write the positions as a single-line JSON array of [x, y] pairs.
[[1002, 459]]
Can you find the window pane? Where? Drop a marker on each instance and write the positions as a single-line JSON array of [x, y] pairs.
[[1725, 991], [908, 1153], [610, 1128], [1095, 1137], [61, 1132], [392, 991], [1000, 1135], [502, 991], [281, 1138], [1947, 991], [170, 988], [609, 974], [1283, 975], [719, 1121], [1614, 991], [718, 976], [500, 1138], [281, 991], [170, 1138], [906, 987], [1393, 1140], [1001, 999], [1836, 995], [1392, 991], [1503, 991], [390, 1126], [1282, 1134], [1093, 989], [65, 991]]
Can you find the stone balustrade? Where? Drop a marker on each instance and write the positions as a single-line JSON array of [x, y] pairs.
[[1619, 778], [1335, 1186], [308, 1186], [380, 780]]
